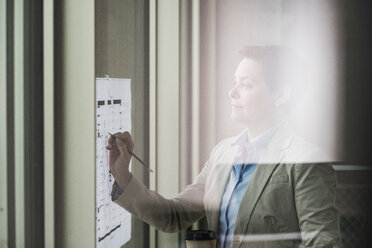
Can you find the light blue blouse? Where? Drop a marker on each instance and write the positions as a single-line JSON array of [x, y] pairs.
[[240, 176]]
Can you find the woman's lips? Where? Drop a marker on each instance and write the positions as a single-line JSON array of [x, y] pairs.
[[236, 106]]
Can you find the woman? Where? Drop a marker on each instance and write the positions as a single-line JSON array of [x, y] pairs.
[[266, 187]]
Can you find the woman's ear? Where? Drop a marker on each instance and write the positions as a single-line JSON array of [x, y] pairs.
[[283, 96]]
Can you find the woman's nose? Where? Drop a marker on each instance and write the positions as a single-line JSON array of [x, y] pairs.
[[233, 93]]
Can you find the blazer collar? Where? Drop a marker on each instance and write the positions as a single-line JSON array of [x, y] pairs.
[[216, 188], [272, 156], [280, 140]]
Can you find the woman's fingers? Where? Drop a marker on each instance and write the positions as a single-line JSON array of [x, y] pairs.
[[111, 141], [126, 138], [122, 147], [119, 143]]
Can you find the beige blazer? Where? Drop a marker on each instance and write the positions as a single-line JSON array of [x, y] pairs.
[[290, 199]]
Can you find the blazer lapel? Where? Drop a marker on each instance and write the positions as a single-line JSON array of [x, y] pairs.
[[270, 159], [216, 187]]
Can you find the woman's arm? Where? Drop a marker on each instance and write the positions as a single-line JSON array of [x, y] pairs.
[[168, 215], [315, 203]]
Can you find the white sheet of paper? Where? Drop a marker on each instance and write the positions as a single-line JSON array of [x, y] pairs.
[[113, 114]]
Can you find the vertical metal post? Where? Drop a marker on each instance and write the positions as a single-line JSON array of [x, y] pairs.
[[166, 116], [153, 105], [195, 88], [3, 129], [74, 152], [48, 56], [19, 123]]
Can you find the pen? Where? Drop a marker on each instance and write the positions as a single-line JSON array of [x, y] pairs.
[[134, 155]]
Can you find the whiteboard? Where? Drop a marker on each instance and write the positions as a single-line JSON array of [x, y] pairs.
[[113, 114]]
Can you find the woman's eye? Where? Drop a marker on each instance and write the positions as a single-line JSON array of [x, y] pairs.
[[247, 86], [243, 85]]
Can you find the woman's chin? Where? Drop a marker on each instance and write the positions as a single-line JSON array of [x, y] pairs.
[[238, 118]]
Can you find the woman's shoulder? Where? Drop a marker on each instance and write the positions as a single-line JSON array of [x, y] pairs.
[[223, 147], [302, 150]]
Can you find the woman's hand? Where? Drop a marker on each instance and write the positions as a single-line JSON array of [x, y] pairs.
[[119, 158]]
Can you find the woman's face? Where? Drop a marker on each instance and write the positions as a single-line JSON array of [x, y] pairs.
[[252, 101]]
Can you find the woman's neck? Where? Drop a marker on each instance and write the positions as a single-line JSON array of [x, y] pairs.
[[257, 129]]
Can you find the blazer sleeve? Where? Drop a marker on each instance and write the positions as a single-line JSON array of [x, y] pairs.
[[167, 215], [315, 203]]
